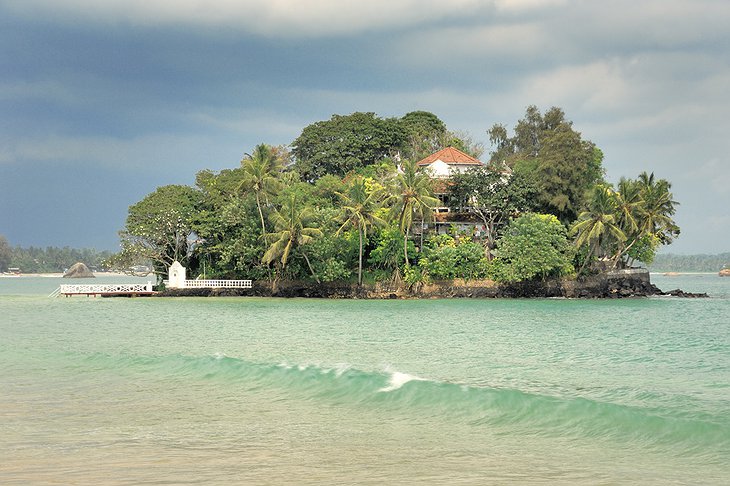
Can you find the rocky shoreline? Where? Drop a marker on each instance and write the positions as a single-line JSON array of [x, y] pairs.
[[609, 285]]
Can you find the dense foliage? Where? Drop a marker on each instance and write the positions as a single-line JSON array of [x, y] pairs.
[[48, 260], [495, 194], [6, 255], [346, 143], [533, 245], [547, 150], [626, 224], [159, 229], [348, 206]]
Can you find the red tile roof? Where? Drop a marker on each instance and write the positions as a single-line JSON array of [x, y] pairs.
[[450, 155]]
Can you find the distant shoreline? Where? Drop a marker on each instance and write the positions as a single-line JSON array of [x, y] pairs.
[[60, 275], [677, 274]]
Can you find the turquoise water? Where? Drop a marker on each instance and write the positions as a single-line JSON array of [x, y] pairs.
[[267, 391]]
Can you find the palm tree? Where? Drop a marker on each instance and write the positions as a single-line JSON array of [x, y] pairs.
[[291, 230], [261, 170], [359, 210], [412, 196], [658, 208], [629, 205], [597, 227]]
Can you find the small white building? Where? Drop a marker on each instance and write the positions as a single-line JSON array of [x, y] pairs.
[[177, 275]]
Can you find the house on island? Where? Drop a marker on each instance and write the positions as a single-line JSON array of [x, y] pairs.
[[441, 166]]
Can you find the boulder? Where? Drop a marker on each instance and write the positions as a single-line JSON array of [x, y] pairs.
[[78, 270]]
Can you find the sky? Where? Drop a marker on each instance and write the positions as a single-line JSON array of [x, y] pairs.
[[103, 101]]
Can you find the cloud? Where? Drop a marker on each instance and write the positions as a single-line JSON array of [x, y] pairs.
[[270, 18], [277, 128], [715, 171], [153, 152], [523, 5], [443, 48], [38, 90]]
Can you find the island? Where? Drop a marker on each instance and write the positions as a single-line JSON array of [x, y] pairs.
[[365, 206]]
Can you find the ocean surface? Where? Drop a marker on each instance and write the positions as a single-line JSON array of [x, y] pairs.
[[276, 391]]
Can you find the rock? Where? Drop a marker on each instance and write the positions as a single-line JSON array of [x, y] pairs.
[[78, 270], [615, 285], [682, 293], [725, 272]]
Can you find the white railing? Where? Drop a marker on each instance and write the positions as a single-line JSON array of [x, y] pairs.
[[215, 284], [92, 289]]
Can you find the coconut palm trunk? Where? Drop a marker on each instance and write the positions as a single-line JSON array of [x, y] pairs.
[[359, 267], [261, 215], [359, 210]]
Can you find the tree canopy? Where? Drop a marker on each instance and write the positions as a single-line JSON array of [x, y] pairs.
[[533, 245], [628, 223], [5, 254], [546, 149], [160, 228], [49, 259], [345, 143], [494, 193]]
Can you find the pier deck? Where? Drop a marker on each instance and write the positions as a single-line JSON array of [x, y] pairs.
[[105, 290]]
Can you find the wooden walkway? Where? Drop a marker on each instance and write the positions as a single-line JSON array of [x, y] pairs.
[[135, 290], [104, 290]]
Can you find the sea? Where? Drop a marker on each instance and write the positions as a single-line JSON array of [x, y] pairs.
[[267, 391]]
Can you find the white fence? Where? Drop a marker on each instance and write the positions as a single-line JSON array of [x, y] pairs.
[[101, 289], [215, 284]]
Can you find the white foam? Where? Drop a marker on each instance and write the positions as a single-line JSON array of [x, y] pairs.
[[340, 368], [397, 380]]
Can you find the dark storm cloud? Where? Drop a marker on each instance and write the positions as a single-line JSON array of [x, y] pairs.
[[133, 94]]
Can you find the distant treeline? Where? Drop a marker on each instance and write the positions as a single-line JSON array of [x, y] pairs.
[[47, 260], [690, 263]]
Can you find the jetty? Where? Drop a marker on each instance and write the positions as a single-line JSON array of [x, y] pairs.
[[105, 290], [177, 280]]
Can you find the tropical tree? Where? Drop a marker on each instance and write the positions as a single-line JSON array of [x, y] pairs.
[[261, 170], [494, 193], [597, 227], [532, 245], [360, 210], [629, 205], [292, 230], [425, 133], [345, 143], [412, 195], [645, 210], [388, 252], [658, 208], [160, 228], [5, 254], [547, 149]]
